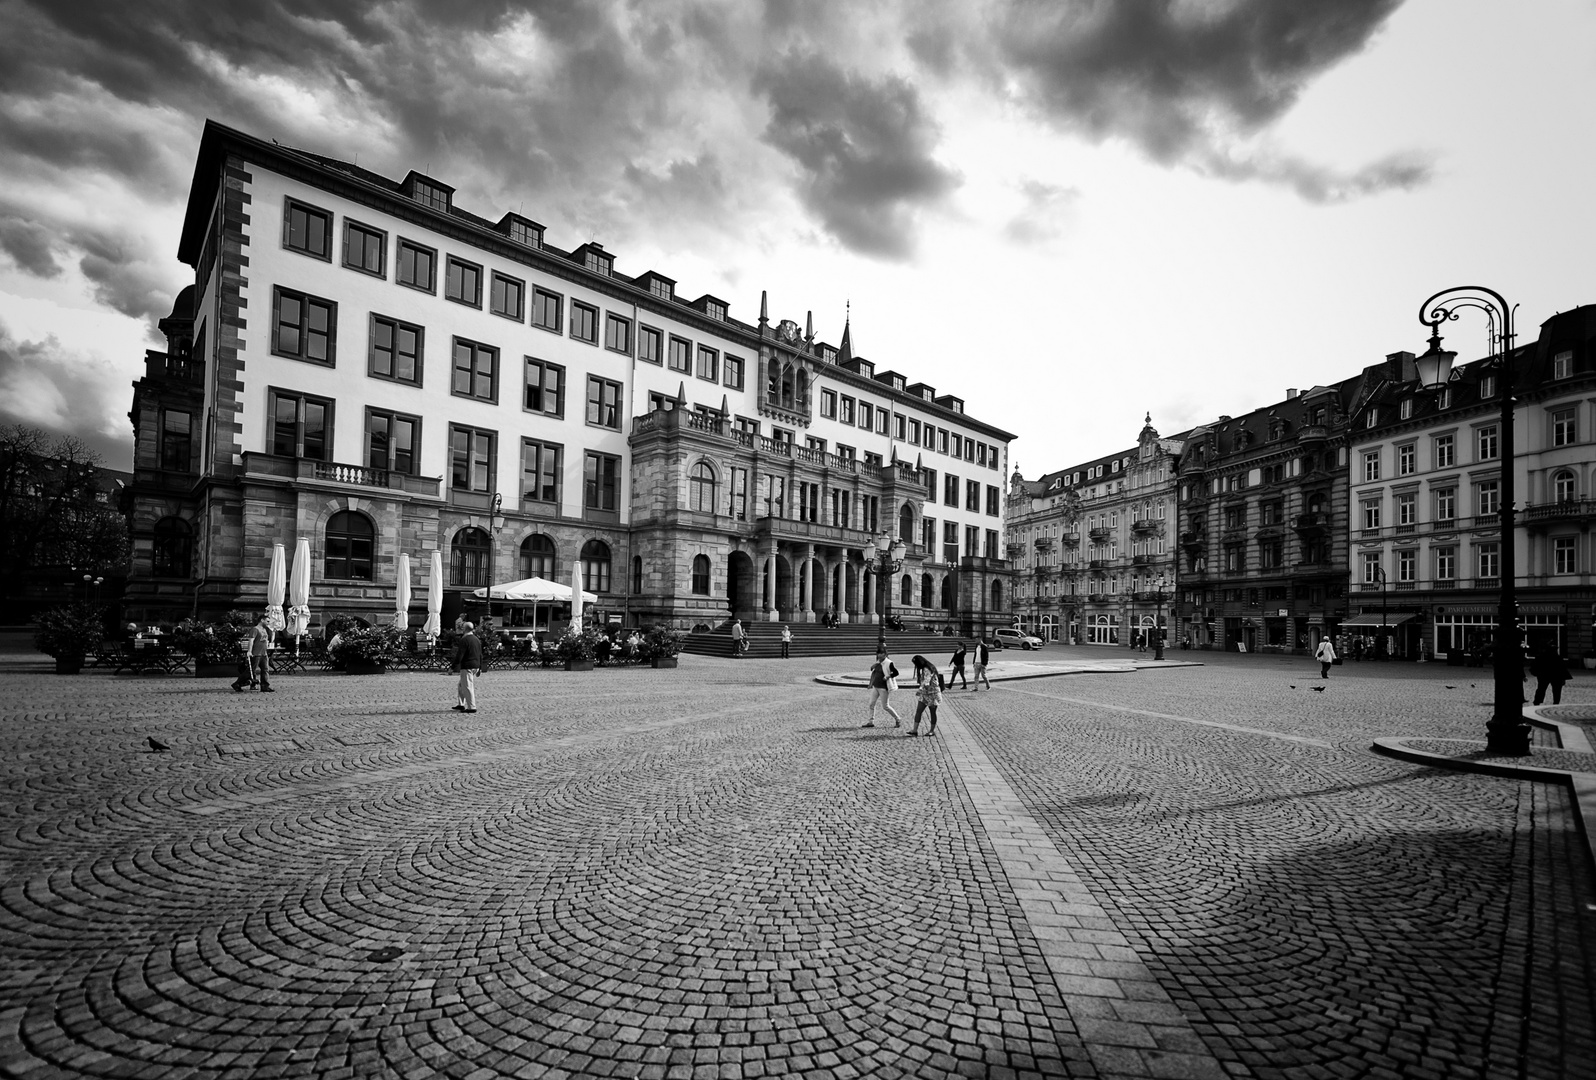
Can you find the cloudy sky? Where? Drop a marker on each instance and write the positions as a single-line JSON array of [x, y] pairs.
[[1069, 212]]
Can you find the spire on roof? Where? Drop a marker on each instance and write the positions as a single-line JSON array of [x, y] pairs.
[[845, 353], [764, 308]]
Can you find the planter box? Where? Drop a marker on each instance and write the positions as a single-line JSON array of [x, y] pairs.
[[579, 665], [366, 667], [663, 662], [226, 669]]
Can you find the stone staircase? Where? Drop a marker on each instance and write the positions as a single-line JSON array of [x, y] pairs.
[[812, 639]]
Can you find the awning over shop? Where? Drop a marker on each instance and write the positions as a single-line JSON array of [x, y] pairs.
[[1377, 620]]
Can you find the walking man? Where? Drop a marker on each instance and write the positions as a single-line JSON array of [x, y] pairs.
[[739, 639], [468, 662], [1326, 655], [1549, 670], [255, 648], [957, 671], [983, 656]]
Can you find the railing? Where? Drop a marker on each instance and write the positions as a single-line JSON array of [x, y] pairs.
[[1312, 432], [1487, 521], [1487, 583], [1406, 586], [1402, 529], [1097, 564], [1194, 538], [836, 461], [1100, 533], [1070, 539], [1313, 520], [809, 455], [775, 446], [337, 473], [1145, 525], [1569, 509], [1044, 543]]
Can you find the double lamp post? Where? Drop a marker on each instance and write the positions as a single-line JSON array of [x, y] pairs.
[[883, 558]]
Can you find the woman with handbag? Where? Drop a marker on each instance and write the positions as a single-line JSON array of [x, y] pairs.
[[883, 681], [928, 693]]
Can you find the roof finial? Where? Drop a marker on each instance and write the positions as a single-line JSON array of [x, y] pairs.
[[1148, 419], [845, 353], [764, 307]]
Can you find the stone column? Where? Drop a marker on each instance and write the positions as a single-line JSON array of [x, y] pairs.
[[809, 574], [869, 598], [770, 582]]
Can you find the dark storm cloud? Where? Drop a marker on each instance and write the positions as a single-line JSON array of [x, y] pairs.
[[864, 147], [1181, 78], [28, 245]]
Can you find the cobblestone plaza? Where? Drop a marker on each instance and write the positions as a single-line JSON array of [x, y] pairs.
[[1191, 871]]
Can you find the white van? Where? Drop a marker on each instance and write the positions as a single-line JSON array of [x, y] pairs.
[[1015, 638]]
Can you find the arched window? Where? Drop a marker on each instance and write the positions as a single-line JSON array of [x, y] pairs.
[[906, 590], [928, 596], [701, 575], [350, 545], [1564, 487], [906, 524], [596, 566], [947, 591], [803, 389], [701, 484], [538, 559], [637, 574], [786, 386], [174, 548], [997, 596], [468, 558]]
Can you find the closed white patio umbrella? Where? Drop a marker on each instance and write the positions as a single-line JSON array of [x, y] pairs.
[[401, 594], [299, 591], [434, 625], [576, 594], [276, 582]]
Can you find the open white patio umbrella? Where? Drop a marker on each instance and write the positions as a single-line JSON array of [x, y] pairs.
[[401, 594], [576, 594], [299, 590], [434, 625], [276, 582]]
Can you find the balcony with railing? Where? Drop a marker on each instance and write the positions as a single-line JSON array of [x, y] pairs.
[[1070, 539], [1098, 564], [1100, 533], [1146, 526], [339, 474], [1580, 510], [1194, 539], [1044, 543], [1310, 433]]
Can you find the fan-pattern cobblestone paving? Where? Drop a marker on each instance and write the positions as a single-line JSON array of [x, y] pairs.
[[714, 871]]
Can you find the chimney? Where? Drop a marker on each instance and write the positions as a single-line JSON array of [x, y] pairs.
[[1401, 365], [1291, 393]]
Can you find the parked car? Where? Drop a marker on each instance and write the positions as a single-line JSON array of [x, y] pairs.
[[1015, 638]]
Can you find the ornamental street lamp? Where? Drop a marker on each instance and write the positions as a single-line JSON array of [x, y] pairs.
[[495, 523], [1506, 732], [884, 558], [1161, 592], [1383, 649]]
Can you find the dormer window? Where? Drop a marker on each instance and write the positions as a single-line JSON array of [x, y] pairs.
[[662, 288], [597, 261], [1406, 409], [1488, 386], [828, 354], [430, 193], [1372, 418], [524, 232], [1563, 365], [715, 309]]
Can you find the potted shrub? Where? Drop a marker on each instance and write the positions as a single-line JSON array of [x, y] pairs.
[[365, 650], [660, 647], [578, 648], [70, 634], [215, 647]]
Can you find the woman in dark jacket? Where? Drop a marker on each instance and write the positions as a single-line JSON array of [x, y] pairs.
[[1548, 669]]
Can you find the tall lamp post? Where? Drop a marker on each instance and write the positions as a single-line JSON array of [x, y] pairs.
[[1506, 732], [883, 559], [1383, 648], [495, 523], [1161, 593]]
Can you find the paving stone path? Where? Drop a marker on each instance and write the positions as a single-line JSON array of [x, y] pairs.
[[1187, 872]]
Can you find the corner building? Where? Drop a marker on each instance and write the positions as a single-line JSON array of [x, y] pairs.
[[1426, 479], [363, 363]]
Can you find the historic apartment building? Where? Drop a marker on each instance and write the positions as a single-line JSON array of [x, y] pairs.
[[363, 363], [1093, 546], [1263, 505], [1426, 493]]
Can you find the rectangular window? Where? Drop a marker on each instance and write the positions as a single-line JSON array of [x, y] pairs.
[[1371, 514], [395, 350], [930, 476], [545, 388], [1407, 565], [942, 441], [1446, 564], [1565, 431], [365, 248], [1487, 498], [649, 341], [828, 404], [1445, 451], [601, 482], [1488, 561], [1563, 365], [540, 471], [708, 364], [845, 410], [914, 431], [1405, 409], [304, 327], [899, 425], [546, 310], [883, 420], [307, 230], [584, 322], [1372, 571], [972, 540], [972, 496], [509, 297], [471, 459], [950, 490], [681, 357], [463, 282], [177, 440], [1446, 504], [737, 507], [1371, 465], [1564, 555], [476, 370], [603, 402], [950, 542], [816, 444], [775, 496], [994, 501], [1407, 459], [417, 266], [867, 419], [1407, 511], [301, 425], [618, 333], [733, 366], [1486, 443], [1488, 386], [990, 549], [391, 441]]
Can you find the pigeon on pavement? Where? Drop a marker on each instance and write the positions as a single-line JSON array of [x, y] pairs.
[[1317, 689], [157, 745]]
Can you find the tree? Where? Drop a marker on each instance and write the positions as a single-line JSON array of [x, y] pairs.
[[53, 508]]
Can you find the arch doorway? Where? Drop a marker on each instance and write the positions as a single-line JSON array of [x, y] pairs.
[[786, 595], [742, 591]]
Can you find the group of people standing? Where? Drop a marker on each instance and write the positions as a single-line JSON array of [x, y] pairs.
[[929, 685]]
